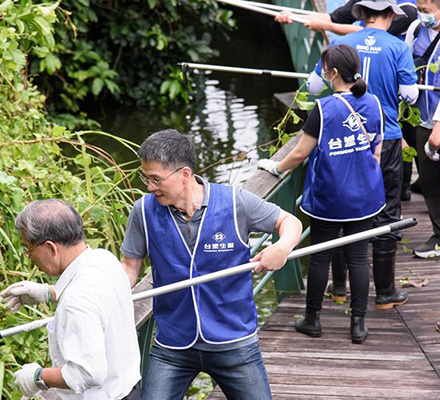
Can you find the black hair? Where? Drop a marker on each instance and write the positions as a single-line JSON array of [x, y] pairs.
[[368, 13], [345, 59], [170, 148]]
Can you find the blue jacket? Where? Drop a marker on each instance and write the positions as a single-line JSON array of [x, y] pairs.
[[428, 100], [221, 311], [344, 181]]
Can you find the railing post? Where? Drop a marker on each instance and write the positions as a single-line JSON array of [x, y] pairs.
[[145, 334], [289, 278]]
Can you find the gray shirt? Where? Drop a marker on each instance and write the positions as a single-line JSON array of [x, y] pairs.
[[253, 215]]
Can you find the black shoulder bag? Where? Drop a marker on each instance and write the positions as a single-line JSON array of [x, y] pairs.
[[421, 62]]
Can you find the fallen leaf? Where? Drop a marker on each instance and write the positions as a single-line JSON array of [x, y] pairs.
[[417, 284]]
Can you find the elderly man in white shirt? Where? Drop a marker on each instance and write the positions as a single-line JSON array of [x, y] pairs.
[[92, 339]]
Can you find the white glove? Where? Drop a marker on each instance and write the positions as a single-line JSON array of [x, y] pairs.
[[432, 154], [24, 379], [25, 292], [269, 166]]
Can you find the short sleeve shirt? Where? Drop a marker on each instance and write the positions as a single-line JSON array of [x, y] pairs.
[[343, 15], [386, 63], [253, 214]]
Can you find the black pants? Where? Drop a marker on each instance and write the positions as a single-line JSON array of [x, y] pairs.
[[429, 173], [135, 394], [356, 256], [392, 171]]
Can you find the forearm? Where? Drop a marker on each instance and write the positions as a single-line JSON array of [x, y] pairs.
[[54, 378], [289, 232], [341, 29], [132, 267], [377, 152], [292, 160], [434, 138], [299, 153]]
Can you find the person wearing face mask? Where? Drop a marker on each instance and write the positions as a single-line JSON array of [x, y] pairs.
[[341, 20], [344, 187], [388, 68], [423, 39]]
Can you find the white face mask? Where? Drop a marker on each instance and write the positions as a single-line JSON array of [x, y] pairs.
[[428, 20]]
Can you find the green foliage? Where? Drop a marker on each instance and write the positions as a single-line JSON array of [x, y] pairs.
[[301, 100], [128, 49], [409, 153], [409, 114], [42, 160]]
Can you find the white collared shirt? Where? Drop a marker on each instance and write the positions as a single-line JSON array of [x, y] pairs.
[[93, 335]]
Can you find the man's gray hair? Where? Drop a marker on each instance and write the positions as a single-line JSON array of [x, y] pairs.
[[52, 220], [170, 148]]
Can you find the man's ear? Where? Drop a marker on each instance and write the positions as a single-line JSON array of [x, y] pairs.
[[52, 247], [187, 173]]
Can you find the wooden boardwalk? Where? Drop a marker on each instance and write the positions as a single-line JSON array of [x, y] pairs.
[[399, 360]]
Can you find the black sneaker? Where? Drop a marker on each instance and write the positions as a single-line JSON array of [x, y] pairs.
[[337, 293], [430, 249], [416, 187]]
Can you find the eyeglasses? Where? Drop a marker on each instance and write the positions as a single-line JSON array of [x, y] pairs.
[[27, 251], [155, 183]]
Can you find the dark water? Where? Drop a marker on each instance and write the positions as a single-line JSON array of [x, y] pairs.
[[229, 113]]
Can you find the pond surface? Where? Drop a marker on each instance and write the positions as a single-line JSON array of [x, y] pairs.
[[229, 114]]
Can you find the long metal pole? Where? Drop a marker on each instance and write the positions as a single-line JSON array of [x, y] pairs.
[[407, 223], [250, 7], [251, 71], [281, 8], [269, 72]]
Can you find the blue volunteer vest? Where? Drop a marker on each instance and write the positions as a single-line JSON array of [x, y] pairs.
[[221, 311], [344, 180], [428, 99]]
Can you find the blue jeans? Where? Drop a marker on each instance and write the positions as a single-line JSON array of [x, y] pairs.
[[240, 373]]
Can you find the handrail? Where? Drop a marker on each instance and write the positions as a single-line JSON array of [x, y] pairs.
[[266, 277]]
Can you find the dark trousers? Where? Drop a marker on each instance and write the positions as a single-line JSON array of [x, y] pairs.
[[392, 170], [135, 394], [356, 256], [429, 174]]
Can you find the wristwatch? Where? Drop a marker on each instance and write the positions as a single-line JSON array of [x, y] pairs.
[[39, 381]]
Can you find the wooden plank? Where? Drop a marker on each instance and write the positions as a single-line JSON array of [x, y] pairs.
[[399, 360]]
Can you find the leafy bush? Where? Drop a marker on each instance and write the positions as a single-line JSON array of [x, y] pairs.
[[128, 49], [41, 160]]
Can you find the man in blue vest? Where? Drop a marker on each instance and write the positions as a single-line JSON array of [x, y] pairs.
[[421, 34], [388, 68], [188, 228]]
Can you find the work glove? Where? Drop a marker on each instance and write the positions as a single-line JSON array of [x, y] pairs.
[[25, 292], [432, 154], [270, 166], [24, 379]]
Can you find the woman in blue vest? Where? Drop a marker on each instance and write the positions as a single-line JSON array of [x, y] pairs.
[[344, 186]]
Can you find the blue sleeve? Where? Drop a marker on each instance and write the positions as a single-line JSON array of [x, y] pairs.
[[405, 67], [318, 66]]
